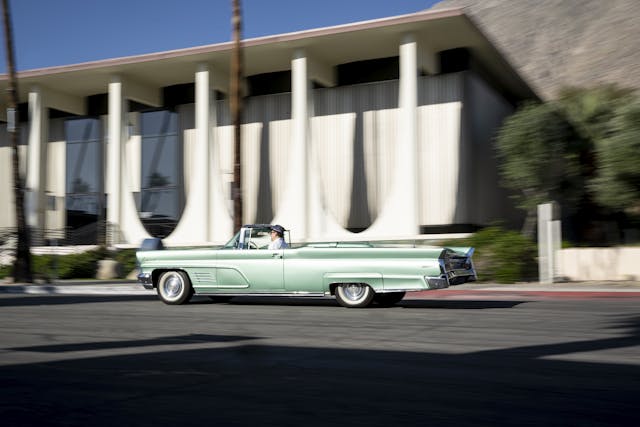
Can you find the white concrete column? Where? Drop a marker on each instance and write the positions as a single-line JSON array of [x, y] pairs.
[[36, 160], [220, 212], [406, 160], [123, 220], [293, 211], [399, 215], [205, 217], [114, 161], [200, 187], [194, 223]]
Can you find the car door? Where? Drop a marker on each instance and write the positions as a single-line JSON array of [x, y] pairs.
[[251, 270]]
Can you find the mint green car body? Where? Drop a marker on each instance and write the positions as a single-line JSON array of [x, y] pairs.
[[246, 267]]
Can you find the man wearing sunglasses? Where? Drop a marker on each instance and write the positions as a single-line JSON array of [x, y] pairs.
[[277, 238]]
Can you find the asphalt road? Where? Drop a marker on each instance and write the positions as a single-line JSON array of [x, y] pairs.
[[110, 360]]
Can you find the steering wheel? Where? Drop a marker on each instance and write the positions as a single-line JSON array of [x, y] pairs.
[[252, 245]]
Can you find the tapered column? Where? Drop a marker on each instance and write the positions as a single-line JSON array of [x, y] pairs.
[[399, 215], [406, 163], [114, 161], [220, 214], [36, 163], [194, 222], [123, 221], [293, 211], [205, 217], [197, 209]]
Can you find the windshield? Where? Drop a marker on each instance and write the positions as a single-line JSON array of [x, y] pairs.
[[251, 238], [233, 243]]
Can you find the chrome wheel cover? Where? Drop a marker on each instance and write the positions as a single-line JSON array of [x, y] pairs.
[[354, 294], [172, 287], [354, 291]]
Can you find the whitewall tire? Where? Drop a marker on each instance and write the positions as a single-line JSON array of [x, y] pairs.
[[354, 295], [174, 287]]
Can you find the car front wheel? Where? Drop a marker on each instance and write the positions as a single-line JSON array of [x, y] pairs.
[[174, 287], [353, 295]]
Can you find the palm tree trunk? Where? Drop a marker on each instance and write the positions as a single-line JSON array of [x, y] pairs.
[[22, 263], [236, 114]]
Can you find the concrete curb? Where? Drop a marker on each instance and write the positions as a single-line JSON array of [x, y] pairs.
[[596, 286], [97, 287], [76, 289]]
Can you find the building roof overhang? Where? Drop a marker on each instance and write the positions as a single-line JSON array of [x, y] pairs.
[[434, 30]]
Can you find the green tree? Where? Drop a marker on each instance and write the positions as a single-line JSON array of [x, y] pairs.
[[617, 181], [539, 151], [590, 110], [581, 150]]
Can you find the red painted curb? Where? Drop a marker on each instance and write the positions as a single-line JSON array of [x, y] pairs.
[[484, 294]]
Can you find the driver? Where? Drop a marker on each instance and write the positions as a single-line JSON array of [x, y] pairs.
[[277, 238]]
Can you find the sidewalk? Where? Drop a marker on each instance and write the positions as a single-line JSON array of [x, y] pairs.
[[534, 291], [77, 287], [592, 286], [129, 287]]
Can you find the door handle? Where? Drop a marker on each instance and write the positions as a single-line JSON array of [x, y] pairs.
[[276, 255]]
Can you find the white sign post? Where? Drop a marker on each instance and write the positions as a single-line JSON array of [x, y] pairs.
[[549, 241]]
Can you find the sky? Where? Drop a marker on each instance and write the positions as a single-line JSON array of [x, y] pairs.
[[62, 32]]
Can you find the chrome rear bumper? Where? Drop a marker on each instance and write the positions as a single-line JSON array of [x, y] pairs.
[[440, 282]]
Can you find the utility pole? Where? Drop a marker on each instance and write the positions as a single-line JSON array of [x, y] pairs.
[[236, 113], [22, 263]]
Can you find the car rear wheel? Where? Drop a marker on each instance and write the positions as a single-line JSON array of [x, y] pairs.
[[174, 287], [354, 295], [388, 299]]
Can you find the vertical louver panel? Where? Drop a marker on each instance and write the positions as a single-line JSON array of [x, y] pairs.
[[353, 137], [439, 136], [353, 134]]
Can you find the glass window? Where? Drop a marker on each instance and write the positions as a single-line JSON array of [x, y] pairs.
[[161, 161], [83, 171]]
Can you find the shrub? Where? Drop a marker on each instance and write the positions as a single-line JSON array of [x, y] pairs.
[[74, 266], [502, 256], [127, 258], [5, 270]]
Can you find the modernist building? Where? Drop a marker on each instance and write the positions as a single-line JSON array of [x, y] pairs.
[[381, 128]]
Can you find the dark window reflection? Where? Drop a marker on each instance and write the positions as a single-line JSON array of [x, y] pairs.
[[83, 179], [160, 198]]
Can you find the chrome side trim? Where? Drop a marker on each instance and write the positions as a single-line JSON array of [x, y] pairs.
[[264, 294]]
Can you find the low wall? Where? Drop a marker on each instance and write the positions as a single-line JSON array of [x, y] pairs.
[[583, 264]]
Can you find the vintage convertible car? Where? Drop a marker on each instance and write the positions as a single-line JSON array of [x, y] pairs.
[[356, 273]]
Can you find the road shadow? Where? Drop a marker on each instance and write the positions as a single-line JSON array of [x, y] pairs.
[[59, 299], [35, 300], [331, 302], [265, 385], [102, 345], [458, 304]]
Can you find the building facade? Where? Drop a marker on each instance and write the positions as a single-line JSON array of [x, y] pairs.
[[379, 129]]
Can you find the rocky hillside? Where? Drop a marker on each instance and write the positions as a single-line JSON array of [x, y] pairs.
[[556, 43]]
